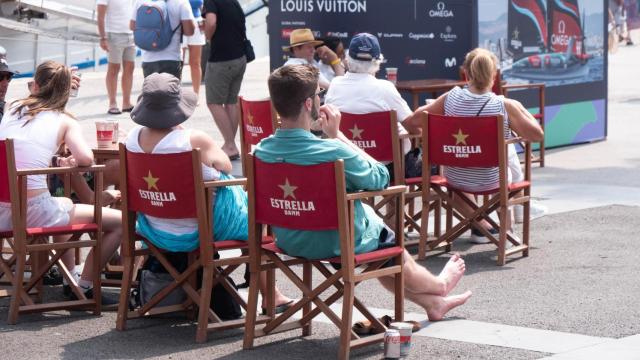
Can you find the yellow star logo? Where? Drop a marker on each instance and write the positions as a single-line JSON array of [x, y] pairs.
[[288, 189], [250, 118], [151, 181], [355, 132], [460, 137]]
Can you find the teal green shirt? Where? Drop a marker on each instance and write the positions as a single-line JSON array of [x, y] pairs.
[[298, 146]]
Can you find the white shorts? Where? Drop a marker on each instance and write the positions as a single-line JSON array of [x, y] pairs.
[[43, 210], [196, 39]]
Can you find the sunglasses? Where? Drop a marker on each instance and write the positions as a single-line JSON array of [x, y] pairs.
[[6, 76], [320, 93]]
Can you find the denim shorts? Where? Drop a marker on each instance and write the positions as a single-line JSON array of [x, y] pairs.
[[42, 211]]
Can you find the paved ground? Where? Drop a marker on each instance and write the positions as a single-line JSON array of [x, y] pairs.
[[573, 298]]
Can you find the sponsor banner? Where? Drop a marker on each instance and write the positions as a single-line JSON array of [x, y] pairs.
[[413, 34]]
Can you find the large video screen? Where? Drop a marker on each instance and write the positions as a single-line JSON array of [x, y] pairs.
[[561, 43]]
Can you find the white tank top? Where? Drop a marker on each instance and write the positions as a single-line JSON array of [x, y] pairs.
[[179, 140], [35, 143]]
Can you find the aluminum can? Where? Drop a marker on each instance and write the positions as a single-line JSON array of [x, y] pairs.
[[405, 330], [392, 344]]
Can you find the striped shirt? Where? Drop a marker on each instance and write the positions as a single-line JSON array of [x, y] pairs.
[[462, 102]]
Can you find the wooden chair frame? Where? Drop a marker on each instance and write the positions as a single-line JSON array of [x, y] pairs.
[[540, 87], [498, 201], [214, 271], [34, 243], [344, 280]]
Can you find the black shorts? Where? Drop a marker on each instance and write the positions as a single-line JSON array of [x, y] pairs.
[[386, 239], [164, 66]]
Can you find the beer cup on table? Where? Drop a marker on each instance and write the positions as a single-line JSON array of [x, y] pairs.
[[392, 74], [104, 133]]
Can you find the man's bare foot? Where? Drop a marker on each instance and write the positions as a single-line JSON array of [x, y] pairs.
[[451, 273], [442, 306], [110, 197]]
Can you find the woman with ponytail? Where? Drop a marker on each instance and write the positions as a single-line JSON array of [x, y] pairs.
[[39, 124], [477, 99]]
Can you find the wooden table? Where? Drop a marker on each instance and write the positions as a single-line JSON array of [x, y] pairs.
[[433, 86], [104, 154]]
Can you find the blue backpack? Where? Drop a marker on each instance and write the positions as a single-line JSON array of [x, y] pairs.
[[153, 30]]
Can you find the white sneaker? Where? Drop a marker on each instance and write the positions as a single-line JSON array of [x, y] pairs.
[[478, 238], [535, 211]]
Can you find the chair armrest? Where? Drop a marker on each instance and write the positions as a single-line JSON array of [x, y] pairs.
[[392, 190], [221, 183], [61, 170], [515, 140], [522, 86]]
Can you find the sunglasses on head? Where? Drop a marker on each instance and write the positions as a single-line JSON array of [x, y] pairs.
[[6, 76]]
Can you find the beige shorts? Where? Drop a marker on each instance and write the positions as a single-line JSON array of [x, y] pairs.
[[43, 210], [121, 48], [223, 80]]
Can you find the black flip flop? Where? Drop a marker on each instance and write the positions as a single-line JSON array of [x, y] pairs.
[[280, 308], [234, 157], [129, 109], [114, 111]]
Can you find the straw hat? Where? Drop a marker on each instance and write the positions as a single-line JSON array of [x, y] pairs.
[[300, 37]]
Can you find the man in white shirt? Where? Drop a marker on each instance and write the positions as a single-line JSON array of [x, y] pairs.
[[359, 92], [169, 59], [117, 40], [302, 46]]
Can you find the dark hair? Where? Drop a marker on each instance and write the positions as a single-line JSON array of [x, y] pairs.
[[332, 42], [290, 86]]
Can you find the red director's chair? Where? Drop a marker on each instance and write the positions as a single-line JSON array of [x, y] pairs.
[[471, 142], [33, 243], [171, 186], [258, 120], [377, 134], [280, 194]]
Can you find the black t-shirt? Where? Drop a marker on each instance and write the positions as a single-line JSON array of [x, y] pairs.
[[228, 40]]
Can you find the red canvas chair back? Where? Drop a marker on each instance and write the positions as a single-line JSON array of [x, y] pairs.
[[257, 121], [296, 196], [162, 185], [5, 193], [373, 133], [464, 141]]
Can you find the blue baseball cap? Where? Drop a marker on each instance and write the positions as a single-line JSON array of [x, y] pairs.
[[364, 46]]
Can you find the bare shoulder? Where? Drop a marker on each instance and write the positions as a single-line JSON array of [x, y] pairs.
[[200, 139]]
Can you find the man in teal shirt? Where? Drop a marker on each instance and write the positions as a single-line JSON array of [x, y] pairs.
[[295, 95]]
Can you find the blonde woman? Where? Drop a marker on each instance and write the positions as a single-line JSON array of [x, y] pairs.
[[478, 99], [39, 124]]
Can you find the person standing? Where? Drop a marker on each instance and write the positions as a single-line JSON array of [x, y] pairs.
[[117, 40], [166, 58], [225, 27], [194, 44]]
